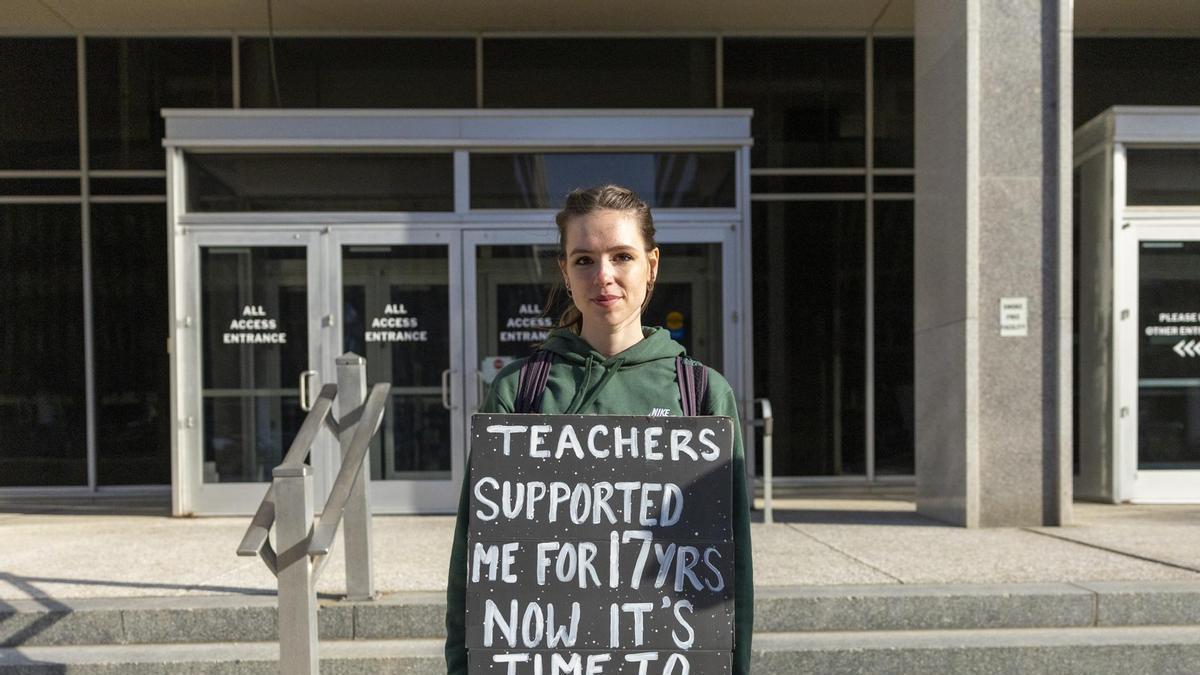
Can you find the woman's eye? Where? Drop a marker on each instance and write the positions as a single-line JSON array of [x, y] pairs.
[[624, 257], [583, 260]]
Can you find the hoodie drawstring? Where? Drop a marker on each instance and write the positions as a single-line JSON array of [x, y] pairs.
[[591, 395]]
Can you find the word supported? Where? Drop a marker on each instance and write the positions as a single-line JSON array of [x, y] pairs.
[[600, 545]]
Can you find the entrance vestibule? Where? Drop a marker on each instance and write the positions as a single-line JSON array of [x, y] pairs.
[[297, 236], [1138, 231]]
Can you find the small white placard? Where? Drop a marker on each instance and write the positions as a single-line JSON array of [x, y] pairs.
[[1014, 317]]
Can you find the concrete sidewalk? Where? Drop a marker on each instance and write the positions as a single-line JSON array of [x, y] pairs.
[[814, 542]]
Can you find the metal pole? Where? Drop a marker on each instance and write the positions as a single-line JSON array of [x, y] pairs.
[[352, 392], [768, 424], [298, 648]]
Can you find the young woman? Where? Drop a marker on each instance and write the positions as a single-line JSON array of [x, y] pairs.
[[604, 362]]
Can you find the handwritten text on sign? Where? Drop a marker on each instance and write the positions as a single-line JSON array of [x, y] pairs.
[[600, 544]]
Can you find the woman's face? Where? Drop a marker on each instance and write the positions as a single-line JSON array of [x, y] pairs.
[[607, 268]]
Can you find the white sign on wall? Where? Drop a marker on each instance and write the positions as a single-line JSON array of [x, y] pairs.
[[1014, 317]]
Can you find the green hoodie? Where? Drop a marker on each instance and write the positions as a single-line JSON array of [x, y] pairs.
[[638, 381]]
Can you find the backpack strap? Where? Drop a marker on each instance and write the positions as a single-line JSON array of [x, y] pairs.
[[692, 378], [532, 382]]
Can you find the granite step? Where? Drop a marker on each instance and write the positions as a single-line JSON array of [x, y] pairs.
[[1163, 650], [796, 609]]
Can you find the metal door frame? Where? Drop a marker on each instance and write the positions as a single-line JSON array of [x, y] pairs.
[[1132, 484], [409, 496], [235, 498]]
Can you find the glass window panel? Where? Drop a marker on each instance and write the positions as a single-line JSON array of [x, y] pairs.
[[793, 184], [42, 409], [396, 313], [894, 102], [320, 182], [39, 186], [687, 299], [599, 73], [359, 73], [254, 322], [894, 430], [901, 184], [808, 96], [130, 81], [542, 180], [1134, 71], [1169, 355], [809, 336], [516, 310], [1163, 177], [129, 186], [129, 300], [39, 107]]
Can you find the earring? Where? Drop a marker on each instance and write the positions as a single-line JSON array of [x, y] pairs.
[[568, 291]]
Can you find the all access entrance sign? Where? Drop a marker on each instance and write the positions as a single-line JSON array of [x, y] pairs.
[[600, 544]]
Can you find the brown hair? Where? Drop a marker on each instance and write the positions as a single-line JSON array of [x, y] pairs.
[[581, 202]]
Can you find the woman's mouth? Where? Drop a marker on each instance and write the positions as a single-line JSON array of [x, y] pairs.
[[606, 300]]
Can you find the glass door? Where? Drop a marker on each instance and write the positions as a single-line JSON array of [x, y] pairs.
[[399, 298], [510, 274], [1161, 385], [250, 341]]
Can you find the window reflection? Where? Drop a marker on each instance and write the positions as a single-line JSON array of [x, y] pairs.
[[396, 314], [254, 317], [542, 180]]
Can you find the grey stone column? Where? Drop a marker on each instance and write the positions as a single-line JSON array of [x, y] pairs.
[[993, 110]]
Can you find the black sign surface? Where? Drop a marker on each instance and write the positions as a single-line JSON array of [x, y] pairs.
[[600, 544]]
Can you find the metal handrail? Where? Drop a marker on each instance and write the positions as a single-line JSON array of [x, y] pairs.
[[335, 506], [257, 541], [767, 422], [288, 507]]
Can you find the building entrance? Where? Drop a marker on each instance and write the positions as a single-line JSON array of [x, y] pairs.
[[425, 243], [1163, 382]]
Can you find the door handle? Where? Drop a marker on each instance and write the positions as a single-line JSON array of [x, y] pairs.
[[446, 389], [305, 390]]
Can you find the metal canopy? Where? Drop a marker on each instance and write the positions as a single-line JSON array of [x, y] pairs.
[[560, 129]]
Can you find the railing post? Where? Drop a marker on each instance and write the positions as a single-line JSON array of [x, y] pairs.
[[298, 648], [352, 392]]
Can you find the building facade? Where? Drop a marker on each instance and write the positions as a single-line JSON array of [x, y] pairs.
[[855, 213]]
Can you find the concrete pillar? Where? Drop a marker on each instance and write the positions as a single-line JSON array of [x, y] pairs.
[[993, 109]]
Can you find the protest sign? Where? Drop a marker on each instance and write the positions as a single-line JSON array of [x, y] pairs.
[[600, 544]]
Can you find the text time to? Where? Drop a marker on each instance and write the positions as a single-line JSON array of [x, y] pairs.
[[600, 544]]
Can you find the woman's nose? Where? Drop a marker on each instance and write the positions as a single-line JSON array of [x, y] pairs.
[[604, 272]]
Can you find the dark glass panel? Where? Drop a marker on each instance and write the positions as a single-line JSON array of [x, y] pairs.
[[901, 184], [39, 186], [599, 73], [894, 430], [42, 407], [39, 104], [809, 337], [513, 291], [1134, 71], [808, 96], [254, 318], [894, 102], [320, 182], [1163, 177], [687, 299], [130, 81], [360, 73], [129, 186], [792, 184], [396, 314], [1169, 355], [129, 300], [662, 179]]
